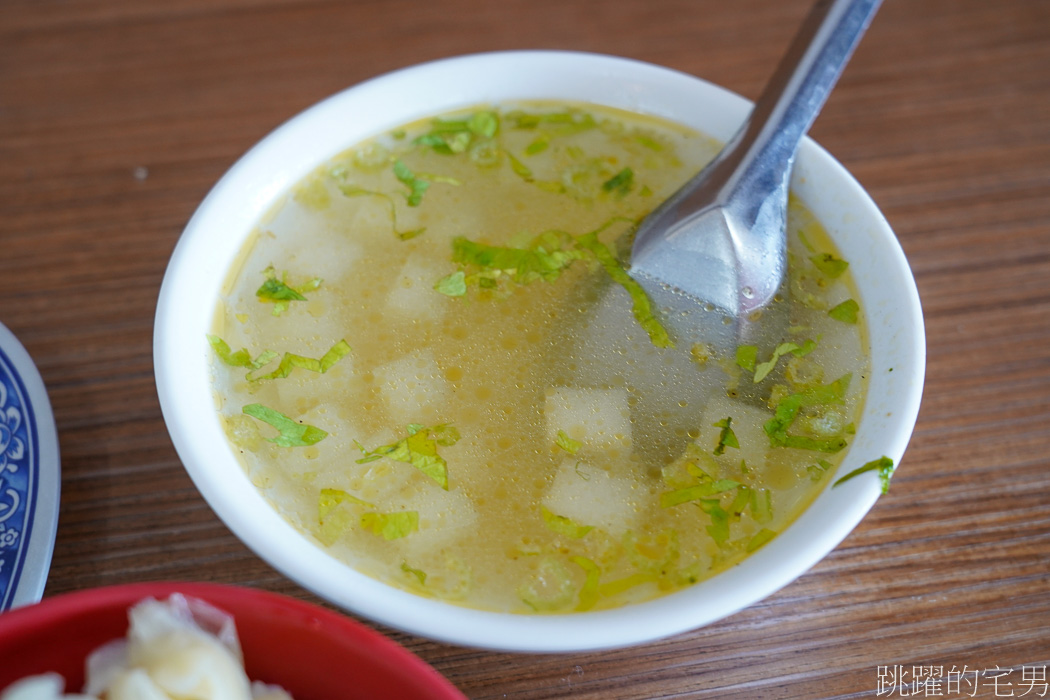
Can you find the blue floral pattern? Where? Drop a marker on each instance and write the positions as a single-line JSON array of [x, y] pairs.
[[17, 478]]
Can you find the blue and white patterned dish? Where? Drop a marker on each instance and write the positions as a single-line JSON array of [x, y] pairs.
[[29, 477]]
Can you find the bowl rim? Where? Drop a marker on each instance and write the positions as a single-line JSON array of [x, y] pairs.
[[280, 159]]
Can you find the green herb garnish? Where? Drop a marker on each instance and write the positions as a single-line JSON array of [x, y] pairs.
[[641, 305], [726, 438], [321, 365], [330, 498], [710, 488], [620, 183], [746, 357], [589, 591], [279, 293], [545, 258], [761, 505], [563, 525], [292, 433], [538, 145], [787, 411], [351, 190], [763, 369], [453, 285], [562, 123], [419, 574], [241, 358], [417, 186], [567, 443], [419, 449], [391, 526], [451, 136], [846, 311], [719, 527], [884, 466], [817, 471], [520, 169], [829, 264]]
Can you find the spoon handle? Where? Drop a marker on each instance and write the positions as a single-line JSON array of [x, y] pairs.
[[794, 95]]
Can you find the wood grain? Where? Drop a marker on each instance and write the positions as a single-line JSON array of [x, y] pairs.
[[117, 116]]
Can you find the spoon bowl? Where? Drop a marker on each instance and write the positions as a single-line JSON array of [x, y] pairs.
[[721, 238]]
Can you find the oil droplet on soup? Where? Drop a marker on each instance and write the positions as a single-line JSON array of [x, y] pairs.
[[418, 364]]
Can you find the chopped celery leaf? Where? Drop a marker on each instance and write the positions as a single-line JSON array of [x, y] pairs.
[[649, 142], [787, 411], [817, 471], [846, 311], [746, 357], [484, 124], [740, 501], [763, 369], [290, 361], [274, 289], [564, 526], [538, 145], [588, 595], [520, 169], [613, 588], [419, 449], [279, 293], [567, 443], [545, 258], [417, 186], [829, 264], [883, 465], [719, 527], [419, 574], [761, 505], [451, 136], [726, 438], [241, 358], [391, 526], [807, 347], [351, 190], [453, 285], [670, 499], [641, 305], [330, 498], [561, 123], [292, 433], [334, 525], [620, 183]]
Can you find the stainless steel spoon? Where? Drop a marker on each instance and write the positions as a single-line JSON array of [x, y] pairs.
[[713, 257], [721, 238]]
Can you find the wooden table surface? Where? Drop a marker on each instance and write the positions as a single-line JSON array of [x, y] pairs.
[[117, 116]]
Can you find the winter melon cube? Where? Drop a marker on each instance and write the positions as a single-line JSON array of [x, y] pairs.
[[592, 496], [599, 418]]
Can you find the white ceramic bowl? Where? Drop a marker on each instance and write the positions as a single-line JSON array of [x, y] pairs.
[[217, 231]]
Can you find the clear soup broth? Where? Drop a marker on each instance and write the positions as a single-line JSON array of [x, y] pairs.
[[428, 363]]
